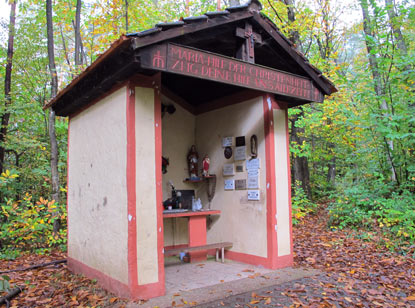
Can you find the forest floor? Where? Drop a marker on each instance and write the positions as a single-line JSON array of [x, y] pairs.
[[356, 272]]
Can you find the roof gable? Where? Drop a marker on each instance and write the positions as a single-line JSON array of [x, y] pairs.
[[212, 32]]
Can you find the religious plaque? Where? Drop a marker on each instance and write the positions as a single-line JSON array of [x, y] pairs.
[[253, 181], [197, 63], [253, 195], [252, 164], [230, 184], [227, 142], [239, 168], [240, 153], [240, 184], [228, 169], [240, 141], [227, 152]]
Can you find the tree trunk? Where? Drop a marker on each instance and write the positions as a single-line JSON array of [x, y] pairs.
[[78, 57], [52, 134], [126, 16], [7, 85], [377, 80], [294, 35], [65, 51], [300, 169], [300, 172], [400, 42]]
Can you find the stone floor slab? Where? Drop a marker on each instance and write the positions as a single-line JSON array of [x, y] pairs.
[[198, 283]]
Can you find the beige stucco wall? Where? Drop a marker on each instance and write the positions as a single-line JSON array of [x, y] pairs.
[[97, 193], [147, 254], [178, 136], [242, 222], [282, 186]]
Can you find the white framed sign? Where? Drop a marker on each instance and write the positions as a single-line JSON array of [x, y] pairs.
[[252, 164], [253, 182], [253, 195], [227, 142], [240, 153], [228, 169], [230, 184]]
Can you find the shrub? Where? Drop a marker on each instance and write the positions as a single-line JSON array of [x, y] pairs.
[[28, 225], [301, 205], [389, 212]]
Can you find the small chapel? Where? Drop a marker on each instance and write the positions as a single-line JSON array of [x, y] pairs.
[[178, 144]]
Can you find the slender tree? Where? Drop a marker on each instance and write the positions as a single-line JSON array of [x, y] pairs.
[[5, 117], [300, 169], [126, 16], [396, 29], [78, 56], [52, 119], [377, 79]]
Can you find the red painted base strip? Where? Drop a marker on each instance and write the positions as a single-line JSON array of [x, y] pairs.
[[246, 258], [118, 288], [148, 291], [284, 261]]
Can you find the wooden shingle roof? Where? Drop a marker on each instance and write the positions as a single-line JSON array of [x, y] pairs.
[[212, 32]]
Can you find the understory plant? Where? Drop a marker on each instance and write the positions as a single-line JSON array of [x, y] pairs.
[[301, 205], [27, 225], [376, 207]]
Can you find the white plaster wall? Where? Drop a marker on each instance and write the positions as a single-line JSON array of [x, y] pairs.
[[242, 222], [282, 186], [178, 136], [97, 193], [147, 255]]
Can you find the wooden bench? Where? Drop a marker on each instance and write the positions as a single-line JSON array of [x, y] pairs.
[[217, 246]]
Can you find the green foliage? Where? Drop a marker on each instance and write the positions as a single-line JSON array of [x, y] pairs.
[[28, 225], [301, 205], [4, 283], [378, 208]]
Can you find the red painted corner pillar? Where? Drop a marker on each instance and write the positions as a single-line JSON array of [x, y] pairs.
[[270, 185], [273, 146]]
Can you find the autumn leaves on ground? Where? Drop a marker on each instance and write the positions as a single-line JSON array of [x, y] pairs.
[[355, 272]]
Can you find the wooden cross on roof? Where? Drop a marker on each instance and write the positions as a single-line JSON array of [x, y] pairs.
[[247, 51]]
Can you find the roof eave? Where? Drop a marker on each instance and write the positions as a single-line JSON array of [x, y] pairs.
[[123, 40]]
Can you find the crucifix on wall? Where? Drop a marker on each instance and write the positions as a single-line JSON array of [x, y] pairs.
[[246, 52]]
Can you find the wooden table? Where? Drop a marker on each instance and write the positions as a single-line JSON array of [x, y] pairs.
[[196, 230]]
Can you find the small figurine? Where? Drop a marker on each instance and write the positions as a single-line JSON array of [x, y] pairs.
[[205, 165], [192, 159]]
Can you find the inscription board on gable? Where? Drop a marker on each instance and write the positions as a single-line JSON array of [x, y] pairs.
[[205, 65]]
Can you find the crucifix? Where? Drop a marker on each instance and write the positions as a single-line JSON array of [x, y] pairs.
[[246, 52]]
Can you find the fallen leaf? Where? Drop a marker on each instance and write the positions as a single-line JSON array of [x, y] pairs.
[[113, 299], [348, 299], [44, 301]]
